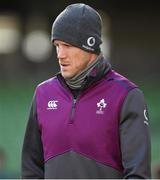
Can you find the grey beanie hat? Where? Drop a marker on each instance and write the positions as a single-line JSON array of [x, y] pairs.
[[79, 25]]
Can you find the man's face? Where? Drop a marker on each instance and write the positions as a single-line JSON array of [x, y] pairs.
[[72, 60]]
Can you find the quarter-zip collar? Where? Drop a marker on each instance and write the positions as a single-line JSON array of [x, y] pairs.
[[96, 74], [77, 81]]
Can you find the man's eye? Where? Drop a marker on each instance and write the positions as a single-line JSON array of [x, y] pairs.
[[67, 45], [56, 45]]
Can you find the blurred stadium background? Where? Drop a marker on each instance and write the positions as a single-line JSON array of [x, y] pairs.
[[131, 37]]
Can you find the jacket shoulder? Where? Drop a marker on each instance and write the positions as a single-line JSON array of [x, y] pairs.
[[120, 80], [47, 84]]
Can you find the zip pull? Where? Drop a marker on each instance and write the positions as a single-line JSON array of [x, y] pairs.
[[73, 110]]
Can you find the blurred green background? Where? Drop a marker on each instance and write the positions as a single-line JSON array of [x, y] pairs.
[[131, 35]]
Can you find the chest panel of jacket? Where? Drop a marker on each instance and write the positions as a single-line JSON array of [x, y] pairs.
[[91, 128]]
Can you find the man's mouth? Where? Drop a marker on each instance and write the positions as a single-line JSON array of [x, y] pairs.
[[64, 66]]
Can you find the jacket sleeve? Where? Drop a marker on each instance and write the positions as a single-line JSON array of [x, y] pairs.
[[135, 137], [32, 151]]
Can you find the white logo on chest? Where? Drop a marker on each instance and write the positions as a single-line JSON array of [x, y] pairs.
[[52, 104], [100, 106]]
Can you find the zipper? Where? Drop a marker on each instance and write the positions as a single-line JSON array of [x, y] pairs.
[[73, 110]]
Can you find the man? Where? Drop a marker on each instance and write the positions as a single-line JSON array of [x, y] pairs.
[[88, 121]]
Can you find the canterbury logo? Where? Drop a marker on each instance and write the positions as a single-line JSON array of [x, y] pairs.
[[52, 104]]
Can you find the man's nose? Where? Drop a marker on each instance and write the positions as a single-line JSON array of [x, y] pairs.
[[61, 53]]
